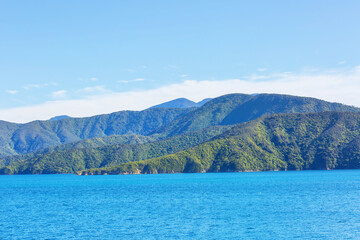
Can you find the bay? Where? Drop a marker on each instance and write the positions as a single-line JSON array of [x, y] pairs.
[[252, 205]]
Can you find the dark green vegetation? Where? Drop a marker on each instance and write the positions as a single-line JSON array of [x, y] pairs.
[[34, 136], [328, 140], [76, 159], [76, 146], [238, 108], [148, 140]]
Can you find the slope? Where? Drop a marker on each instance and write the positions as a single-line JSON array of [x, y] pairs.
[[157, 123], [238, 108], [37, 135], [181, 103], [76, 159], [82, 144], [326, 140]]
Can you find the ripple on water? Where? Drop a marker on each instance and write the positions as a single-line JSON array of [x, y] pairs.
[[259, 205]]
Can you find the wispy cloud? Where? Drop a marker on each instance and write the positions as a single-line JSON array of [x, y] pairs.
[[30, 86], [139, 79], [262, 69], [134, 80], [12, 91], [135, 69], [94, 89], [342, 62], [123, 81], [59, 94], [343, 87]]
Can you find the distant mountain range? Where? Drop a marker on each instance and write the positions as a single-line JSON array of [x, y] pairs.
[[182, 103], [235, 132], [59, 118], [312, 141], [34, 136]]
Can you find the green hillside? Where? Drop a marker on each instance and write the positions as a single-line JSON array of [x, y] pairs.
[[34, 136], [238, 108], [327, 140], [75, 144], [82, 144], [225, 110], [76, 159]]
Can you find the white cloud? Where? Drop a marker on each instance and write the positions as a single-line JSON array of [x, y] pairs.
[[12, 91], [139, 79], [262, 69], [96, 89], [123, 81], [130, 81], [342, 62], [343, 87], [30, 86], [59, 94]]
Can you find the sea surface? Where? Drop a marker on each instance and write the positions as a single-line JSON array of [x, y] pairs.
[[253, 205]]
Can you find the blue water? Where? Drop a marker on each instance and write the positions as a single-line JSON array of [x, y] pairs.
[[259, 205]]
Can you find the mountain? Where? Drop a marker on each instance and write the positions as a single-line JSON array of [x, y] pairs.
[[6, 145], [71, 160], [202, 102], [78, 146], [181, 103], [326, 140], [34, 136], [230, 109], [237, 108], [75, 144], [59, 118]]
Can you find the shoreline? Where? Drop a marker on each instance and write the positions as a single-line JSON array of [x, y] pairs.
[[247, 171]]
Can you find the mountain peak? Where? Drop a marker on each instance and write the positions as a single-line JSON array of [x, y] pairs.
[[59, 118], [181, 103]]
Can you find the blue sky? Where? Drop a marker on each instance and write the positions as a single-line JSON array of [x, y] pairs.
[[138, 53]]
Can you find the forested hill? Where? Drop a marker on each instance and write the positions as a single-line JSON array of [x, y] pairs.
[[48, 141], [237, 108], [34, 136], [225, 110], [326, 140], [70, 160], [63, 151]]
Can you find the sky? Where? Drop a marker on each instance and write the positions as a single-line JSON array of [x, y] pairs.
[[83, 58]]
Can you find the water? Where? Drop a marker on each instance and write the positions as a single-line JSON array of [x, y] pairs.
[[261, 205]]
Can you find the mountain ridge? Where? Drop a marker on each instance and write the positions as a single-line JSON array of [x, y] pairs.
[[236, 108], [31, 137], [46, 139], [324, 141], [72, 160], [61, 117], [181, 103]]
